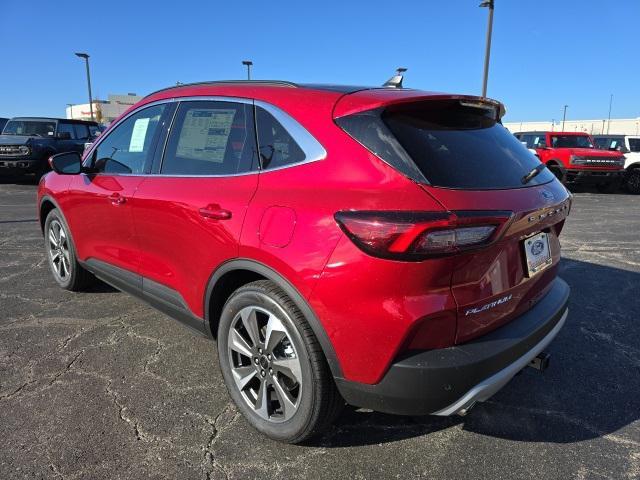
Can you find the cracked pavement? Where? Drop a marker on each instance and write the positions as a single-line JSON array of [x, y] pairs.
[[99, 385]]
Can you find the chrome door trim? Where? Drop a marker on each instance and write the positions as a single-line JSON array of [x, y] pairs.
[[312, 148]]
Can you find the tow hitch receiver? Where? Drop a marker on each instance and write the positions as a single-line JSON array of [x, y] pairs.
[[540, 362]]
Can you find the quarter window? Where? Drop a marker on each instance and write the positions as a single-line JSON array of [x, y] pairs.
[[277, 147], [211, 138], [128, 147], [66, 128], [82, 132]]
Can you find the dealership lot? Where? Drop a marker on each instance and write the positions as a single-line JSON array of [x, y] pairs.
[[98, 385]]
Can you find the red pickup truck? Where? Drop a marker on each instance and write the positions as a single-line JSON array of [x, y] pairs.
[[574, 158]]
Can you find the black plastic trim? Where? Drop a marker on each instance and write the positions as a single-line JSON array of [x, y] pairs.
[[290, 290], [159, 296], [429, 381]]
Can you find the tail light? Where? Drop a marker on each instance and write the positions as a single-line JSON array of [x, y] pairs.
[[403, 235]]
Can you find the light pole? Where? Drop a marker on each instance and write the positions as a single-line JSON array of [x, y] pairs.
[[86, 62], [564, 116], [609, 119], [70, 105], [248, 63], [487, 52]]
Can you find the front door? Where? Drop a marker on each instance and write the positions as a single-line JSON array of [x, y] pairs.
[[189, 215], [100, 203]]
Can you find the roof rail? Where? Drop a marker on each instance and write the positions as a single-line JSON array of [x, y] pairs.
[[279, 83]]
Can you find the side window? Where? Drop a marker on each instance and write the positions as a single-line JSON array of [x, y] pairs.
[[82, 132], [127, 148], [64, 128], [634, 144], [211, 138], [276, 146]]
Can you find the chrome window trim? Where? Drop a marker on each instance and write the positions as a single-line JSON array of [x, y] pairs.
[[312, 148]]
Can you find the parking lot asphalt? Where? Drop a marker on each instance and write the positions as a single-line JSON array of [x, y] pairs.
[[99, 385]]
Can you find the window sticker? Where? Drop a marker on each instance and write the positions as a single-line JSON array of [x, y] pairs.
[[138, 135], [205, 133]]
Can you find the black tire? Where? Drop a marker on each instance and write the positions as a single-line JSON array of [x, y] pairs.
[[557, 171], [318, 401], [76, 278], [632, 181]]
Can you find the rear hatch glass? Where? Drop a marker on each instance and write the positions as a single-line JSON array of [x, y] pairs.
[[446, 143]]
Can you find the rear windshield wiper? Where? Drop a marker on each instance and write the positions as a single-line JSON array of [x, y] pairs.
[[533, 173]]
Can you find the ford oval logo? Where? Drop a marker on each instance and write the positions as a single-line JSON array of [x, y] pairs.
[[547, 195], [537, 248]]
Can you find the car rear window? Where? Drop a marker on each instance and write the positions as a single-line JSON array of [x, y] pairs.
[[451, 144]]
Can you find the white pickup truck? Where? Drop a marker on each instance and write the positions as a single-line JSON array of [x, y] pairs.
[[629, 145]]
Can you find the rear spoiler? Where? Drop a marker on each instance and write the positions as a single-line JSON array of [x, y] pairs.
[[372, 99]]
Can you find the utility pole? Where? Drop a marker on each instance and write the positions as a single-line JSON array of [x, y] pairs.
[[564, 116], [609, 120], [70, 105], [248, 64], [487, 52], [86, 62]]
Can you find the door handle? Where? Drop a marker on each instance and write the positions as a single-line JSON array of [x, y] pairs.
[[117, 199], [215, 213]]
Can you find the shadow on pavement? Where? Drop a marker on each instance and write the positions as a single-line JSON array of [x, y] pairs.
[[590, 389]]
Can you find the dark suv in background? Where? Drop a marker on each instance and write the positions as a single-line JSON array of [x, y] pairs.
[[26, 143]]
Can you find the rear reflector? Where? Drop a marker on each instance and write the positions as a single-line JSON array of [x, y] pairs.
[[406, 235]]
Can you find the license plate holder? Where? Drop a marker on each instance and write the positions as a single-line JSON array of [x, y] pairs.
[[537, 253]]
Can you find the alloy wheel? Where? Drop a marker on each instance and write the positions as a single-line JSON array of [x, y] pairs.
[[264, 363], [59, 255]]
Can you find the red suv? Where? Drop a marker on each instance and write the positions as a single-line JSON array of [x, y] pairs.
[[574, 158], [389, 248]]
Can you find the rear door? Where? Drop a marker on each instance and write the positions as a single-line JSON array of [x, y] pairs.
[[100, 206], [189, 213]]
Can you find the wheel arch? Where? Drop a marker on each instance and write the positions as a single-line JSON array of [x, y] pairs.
[[46, 205], [233, 274]]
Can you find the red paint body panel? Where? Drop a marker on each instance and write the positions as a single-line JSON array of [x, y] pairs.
[[102, 226], [179, 247]]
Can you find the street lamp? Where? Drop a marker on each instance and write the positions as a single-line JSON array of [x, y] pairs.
[[564, 116], [609, 120], [248, 63], [487, 53], [86, 62]]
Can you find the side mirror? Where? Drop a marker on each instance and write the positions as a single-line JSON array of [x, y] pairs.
[[64, 136], [68, 163], [87, 146], [541, 145]]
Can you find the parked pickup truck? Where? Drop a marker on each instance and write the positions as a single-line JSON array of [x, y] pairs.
[[27, 143], [630, 147], [574, 158]]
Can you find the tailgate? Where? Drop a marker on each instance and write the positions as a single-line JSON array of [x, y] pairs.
[[493, 285]]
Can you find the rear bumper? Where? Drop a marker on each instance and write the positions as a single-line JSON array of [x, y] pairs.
[[450, 380], [20, 166], [592, 176]]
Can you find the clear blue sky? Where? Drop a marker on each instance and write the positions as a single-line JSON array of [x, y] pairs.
[[546, 53]]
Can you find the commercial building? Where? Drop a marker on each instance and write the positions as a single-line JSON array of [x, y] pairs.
[[104, 111], [622, 126]]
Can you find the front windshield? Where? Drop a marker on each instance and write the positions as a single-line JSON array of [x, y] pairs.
[[571, 141], [29, 127]]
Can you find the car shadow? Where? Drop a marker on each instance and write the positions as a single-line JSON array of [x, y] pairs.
[[589, 390]]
